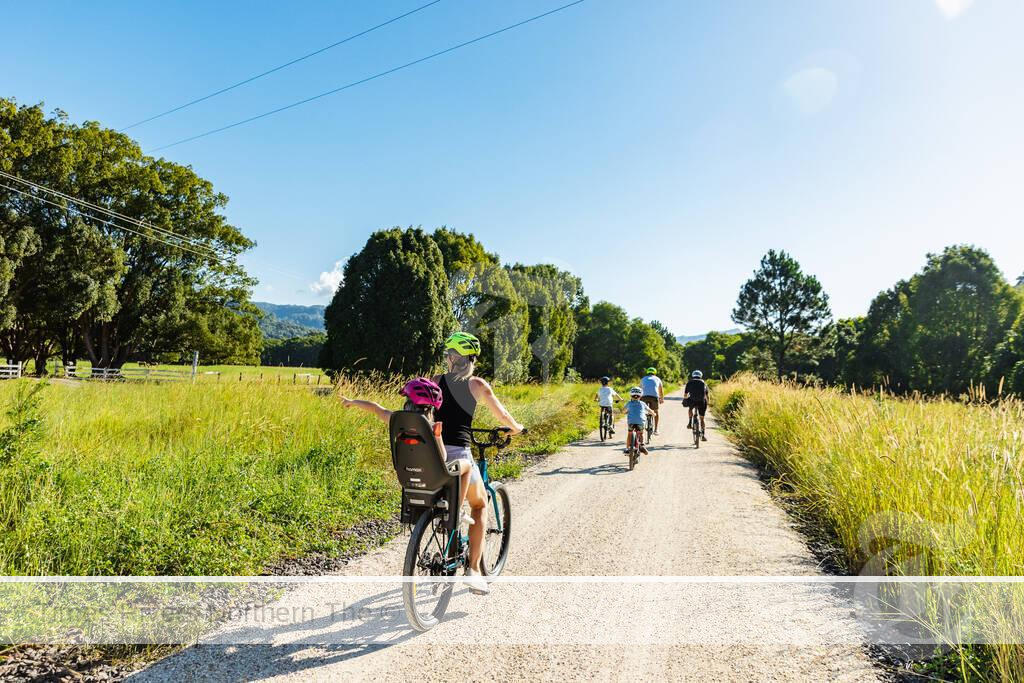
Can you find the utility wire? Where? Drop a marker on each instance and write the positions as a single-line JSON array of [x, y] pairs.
[[278, 68], [108, 222], [111, 212], [365, 80], [141, 224]]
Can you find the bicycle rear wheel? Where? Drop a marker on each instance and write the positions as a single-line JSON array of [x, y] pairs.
[[428, 553], [498, 533], [603, 425], [696, 434]]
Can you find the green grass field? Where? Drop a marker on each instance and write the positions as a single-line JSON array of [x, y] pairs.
[[175, 478], [937, 482]]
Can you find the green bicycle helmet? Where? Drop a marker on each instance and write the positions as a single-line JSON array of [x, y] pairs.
[[652, 371], [464, 344]]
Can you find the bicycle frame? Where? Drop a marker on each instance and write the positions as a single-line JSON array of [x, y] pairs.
[[482, 462], [485, 476], [638, 435]]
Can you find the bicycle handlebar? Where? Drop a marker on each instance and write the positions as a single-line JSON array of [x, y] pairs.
[[498, 437]]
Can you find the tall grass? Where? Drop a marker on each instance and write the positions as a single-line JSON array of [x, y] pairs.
[[212, 479], [943, 479]]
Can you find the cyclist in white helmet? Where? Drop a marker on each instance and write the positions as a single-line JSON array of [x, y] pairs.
[[636, 418], [695, 398]]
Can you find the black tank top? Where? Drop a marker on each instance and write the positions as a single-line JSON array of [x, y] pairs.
[[456, 412]]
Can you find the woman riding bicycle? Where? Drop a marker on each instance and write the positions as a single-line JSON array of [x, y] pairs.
[[461, 392]]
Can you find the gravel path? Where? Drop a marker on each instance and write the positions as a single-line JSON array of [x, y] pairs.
[[682, 512]]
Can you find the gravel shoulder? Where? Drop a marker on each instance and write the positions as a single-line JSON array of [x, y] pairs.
[[682, 512]]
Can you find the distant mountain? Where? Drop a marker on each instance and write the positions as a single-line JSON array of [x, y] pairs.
[[700, 337], [284, 321]]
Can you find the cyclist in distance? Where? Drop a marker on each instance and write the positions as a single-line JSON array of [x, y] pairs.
[[636, 417], [653, 393], [461, 391], [695, 397], [606, 397]]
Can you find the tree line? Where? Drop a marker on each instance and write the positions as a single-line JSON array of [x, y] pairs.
[[77, 282], [408, 289], [954, 327]]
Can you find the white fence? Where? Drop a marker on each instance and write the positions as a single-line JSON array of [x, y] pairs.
[[116, 374], [10, 371]]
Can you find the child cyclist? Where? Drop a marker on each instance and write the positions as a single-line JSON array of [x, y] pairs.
[[636, 418], [606, 396]]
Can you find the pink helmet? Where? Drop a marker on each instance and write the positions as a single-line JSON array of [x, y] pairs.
[[422, 392]]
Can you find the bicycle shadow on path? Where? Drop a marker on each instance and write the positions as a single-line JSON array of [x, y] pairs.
[[371, 624], [606, 468]]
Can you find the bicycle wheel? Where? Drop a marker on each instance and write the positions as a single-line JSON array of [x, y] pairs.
[[603, 426], [496, 540], [650, 428], [696, 435], [426, 602], [632, 458]]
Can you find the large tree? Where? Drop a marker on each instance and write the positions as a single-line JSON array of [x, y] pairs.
[[946, 329], [645, 347], [392, 311], [841, 341], [962, 307], [104, 286], [601, 341], [553, 297], [716, 356], [485, 302], [780, 304]]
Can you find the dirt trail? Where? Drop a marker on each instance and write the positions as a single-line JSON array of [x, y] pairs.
[[682, 512]]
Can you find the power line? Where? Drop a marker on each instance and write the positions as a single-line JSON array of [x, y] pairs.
[[278, 68], [365, 80], [111, 212], [107, 222]]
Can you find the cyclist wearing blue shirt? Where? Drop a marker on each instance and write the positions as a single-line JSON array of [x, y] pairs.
[[653, 393], [636, 418]]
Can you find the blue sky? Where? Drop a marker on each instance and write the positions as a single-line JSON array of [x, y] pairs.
[[656, 148]]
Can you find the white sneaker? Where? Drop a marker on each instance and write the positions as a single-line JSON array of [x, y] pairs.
[[467, 519], [475, 583]]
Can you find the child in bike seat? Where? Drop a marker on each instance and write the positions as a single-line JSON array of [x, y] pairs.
[[422, 395], [636, 417]]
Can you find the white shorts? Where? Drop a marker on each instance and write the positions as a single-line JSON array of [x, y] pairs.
[[453, 453]]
